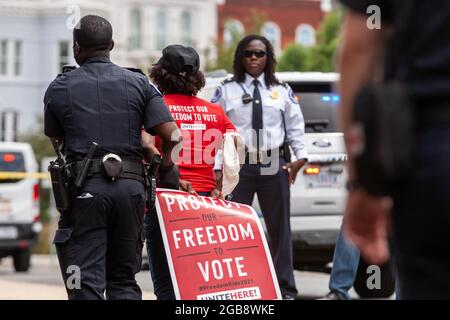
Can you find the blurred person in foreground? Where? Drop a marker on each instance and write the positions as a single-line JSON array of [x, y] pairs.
[[416, 216], [204, 126]]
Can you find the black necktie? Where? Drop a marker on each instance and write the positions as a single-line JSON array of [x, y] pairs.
[[257, 115]]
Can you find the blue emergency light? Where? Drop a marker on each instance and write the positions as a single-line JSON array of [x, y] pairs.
[[331, 98]]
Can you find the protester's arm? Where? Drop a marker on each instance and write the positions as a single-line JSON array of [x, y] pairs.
[[159, 121], [217, 191], [366, 217], [171, 137], [148, 146], [218, 167]]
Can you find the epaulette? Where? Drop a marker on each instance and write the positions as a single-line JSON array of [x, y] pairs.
[[136, 70], [283, 83], [67, 69], [229, 80]]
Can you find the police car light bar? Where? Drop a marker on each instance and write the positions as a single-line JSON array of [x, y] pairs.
[[331, 98]]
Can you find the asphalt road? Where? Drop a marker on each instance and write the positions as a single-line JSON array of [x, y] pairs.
[[44, 282]]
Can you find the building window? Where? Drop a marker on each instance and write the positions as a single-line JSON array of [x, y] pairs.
[[186, 29], [272, 32], [326, 5], [233, 30], [63, 54], [161, 30], [135, 29], [3, 57], [305, 35], [17, 58]]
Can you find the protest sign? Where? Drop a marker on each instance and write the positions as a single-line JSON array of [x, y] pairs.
[[216, 249]]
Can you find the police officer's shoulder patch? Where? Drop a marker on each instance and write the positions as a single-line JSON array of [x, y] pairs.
[[136, 70], [217, 95], [66, 69], [292, 96]]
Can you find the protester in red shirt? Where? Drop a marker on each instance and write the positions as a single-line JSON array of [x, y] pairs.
[[202, 124]]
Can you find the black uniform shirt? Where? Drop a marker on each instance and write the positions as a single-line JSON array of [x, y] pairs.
[[425, 47], [104, 103]]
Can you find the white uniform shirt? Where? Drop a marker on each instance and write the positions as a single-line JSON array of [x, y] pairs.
[[278, 100]]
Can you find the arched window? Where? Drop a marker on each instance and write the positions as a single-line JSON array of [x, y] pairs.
[[161, 30], [233, 30], [305, 35], [272, 32], [186, 28], [135, 29]]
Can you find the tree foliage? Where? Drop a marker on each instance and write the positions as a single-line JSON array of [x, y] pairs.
[[40, 143], [319, 57], [295, 58], [322, 54]]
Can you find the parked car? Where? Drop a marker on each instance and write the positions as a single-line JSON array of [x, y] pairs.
[[19, 203]]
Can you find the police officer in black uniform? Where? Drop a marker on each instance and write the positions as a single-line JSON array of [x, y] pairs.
[[99, 240]]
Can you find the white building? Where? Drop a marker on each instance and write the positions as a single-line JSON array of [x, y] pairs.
[[36, 40], [144, 27]]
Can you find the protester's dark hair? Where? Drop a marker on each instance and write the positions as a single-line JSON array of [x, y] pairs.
[[169, 83], [238, 65], [93, 32]]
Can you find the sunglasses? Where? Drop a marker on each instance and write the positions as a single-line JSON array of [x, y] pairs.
[[258, 54]]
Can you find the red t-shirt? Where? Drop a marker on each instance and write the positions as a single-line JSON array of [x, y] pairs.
[[202, 124]]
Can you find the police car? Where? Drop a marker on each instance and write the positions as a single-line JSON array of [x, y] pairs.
[[19, 203], [318, 196]]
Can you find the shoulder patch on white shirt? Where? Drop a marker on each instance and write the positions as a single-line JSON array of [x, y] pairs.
[[292, 96], [217, 95]]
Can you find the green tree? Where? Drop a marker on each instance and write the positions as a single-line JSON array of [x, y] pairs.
[[319, 57], [224, 59], [40, 143], [322, 54], [294, 58]]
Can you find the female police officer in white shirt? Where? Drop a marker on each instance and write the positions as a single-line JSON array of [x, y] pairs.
[[256, 102]]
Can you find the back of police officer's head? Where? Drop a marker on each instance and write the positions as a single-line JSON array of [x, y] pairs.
[[92, 37], [178, 71]]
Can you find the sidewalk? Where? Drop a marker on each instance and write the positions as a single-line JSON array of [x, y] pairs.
[[42, 282], [15, 290]]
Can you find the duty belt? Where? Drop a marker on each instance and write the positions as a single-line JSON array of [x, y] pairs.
[[263, 156], [131, 169]]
